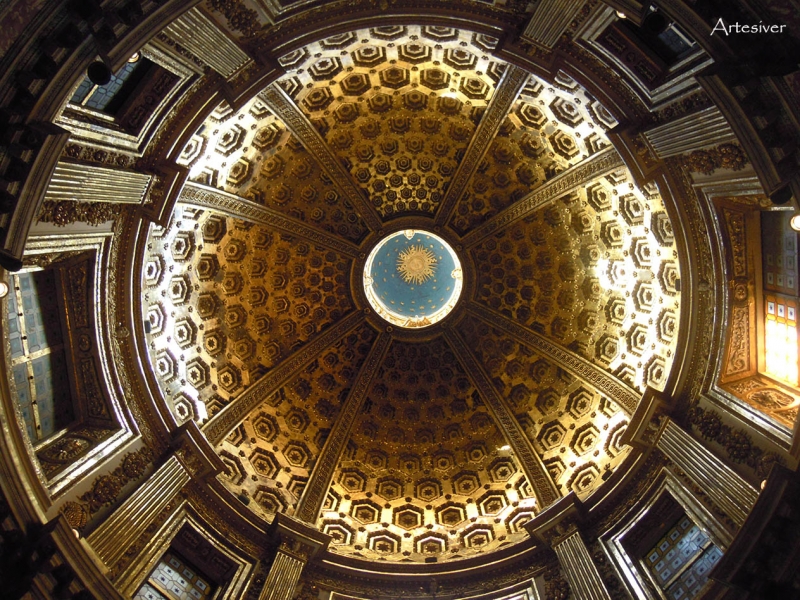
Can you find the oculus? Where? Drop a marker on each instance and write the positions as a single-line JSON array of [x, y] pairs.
[[412, 278]]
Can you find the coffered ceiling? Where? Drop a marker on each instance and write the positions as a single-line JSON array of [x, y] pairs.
[[258, 329]]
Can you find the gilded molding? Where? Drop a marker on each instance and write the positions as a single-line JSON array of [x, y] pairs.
[[739, 339], [236, 206], [285, 109], [543, 487], [514, 79], [605, 383], [603, 162], [314, 494], [218, 427]]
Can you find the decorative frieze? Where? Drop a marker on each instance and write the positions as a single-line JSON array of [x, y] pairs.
[[724, 486]]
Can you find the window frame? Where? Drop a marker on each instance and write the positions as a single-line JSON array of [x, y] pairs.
[[631, 569], [100, 129]]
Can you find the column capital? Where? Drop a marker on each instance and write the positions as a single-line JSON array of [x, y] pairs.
[[296, 538], [558, 522], [647, 420], [195, 452]]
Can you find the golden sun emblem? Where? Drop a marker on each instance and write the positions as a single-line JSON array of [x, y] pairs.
[[416, 264]]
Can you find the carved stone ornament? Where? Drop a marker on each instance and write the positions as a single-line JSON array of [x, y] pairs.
[[66, 212]]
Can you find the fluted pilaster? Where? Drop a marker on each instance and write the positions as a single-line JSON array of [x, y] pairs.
[[129, 520], [283, 576], [692, 132], [724, 486], [297, 543], [90, 183], [579, 568], [550, 19], [198, 34]]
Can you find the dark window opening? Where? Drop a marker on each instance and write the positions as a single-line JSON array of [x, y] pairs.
[[110, 97], [38, 356], [666, 40]]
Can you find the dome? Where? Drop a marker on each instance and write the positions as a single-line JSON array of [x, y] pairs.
[[566, 286], [376, 299]]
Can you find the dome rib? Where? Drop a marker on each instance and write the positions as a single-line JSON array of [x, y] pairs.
[[242, 405], [511, 84], [297, 122]]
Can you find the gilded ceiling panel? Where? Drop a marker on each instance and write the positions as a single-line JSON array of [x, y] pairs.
[[595, 271], [575, 429], [250, 153], [397, 105], [226, 301], [270, 456], [549, 129], [426, 474]]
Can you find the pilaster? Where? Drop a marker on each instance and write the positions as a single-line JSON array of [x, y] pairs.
[[698, 130], [550, 20], [579, 568], [296, 543], [558, 527], [197, 33], [80, 182], [111, 539], [726, 488]]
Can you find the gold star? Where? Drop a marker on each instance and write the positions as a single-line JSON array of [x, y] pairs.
[[416, 264]]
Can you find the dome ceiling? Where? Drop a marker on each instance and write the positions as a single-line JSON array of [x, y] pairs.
[[259, 329]]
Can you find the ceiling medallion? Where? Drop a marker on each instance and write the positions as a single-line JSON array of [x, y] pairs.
[[412, 278]]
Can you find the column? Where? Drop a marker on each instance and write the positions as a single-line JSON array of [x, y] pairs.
[[131, 518], [79, 182], [724, 486], [579, 568], [699, 130], [283, 575]]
